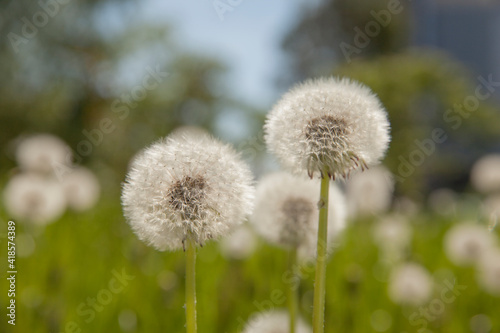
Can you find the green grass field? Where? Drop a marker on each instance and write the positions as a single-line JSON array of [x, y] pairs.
[[77, 258]]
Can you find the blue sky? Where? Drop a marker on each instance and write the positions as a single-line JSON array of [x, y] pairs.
[[247, 40]]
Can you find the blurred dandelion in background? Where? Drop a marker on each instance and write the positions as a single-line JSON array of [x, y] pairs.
[[276, 321], [410, 284], [286, 212], [466, 243], [370, 192]]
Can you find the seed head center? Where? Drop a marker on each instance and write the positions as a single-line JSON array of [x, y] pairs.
[[186, 196]]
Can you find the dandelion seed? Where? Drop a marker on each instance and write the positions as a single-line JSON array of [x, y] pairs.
[[485, 174], [286, 212], [33, 198], [466, 243], [81, 188], [273, 322], [328, 125], [410, 284], [186, 185], [42, 153]]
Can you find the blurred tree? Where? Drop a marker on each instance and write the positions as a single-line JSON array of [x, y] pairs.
[[108, 83], [326, 33]]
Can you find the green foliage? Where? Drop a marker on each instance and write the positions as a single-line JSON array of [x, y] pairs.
[[76, 257]]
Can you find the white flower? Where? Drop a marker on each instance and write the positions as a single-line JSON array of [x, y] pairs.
[[485, 174], [336, 125], [370, 192], [466, 243], [443, 201], [240, 244], [34, 198], [274, 322], [286, 212], [42, 153], [392, 232], [81, 188], [410, 284], [186, 186], [489, 272]]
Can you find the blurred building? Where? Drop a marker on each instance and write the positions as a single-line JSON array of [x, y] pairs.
[[467, 29]]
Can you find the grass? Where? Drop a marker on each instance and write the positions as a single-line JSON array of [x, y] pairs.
[[77, 257]]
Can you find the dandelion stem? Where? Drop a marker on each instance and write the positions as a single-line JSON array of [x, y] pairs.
[[190, 286], [320, 280], [292, 289]]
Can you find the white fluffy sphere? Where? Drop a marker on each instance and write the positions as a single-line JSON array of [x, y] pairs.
[[34, 198], [410, 284], [328, 125], [276, 321], [42, 153], [466, 243], [286, 212], [186, 186], [81, 188]]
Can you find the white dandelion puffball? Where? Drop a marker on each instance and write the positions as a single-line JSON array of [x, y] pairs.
[[81, 188], [328, 124], [489, 272], [286, 212], [466, 243], [35, 199], [485, 174], [410, 284], [277, 321], [370, 192], [42, 153], [186, 186], [240, 244], [392, 232]]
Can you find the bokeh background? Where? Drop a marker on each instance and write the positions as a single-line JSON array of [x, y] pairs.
[[220, 65]]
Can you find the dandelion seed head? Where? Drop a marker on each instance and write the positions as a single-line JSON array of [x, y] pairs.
[[286, 212], [370, 192], [276, 321], [410, 284], [466, 243], [392, 232], [41, 152], [186, 185], [485, 174], [81, 188], [35, 199], [336, 125], [240, 244]]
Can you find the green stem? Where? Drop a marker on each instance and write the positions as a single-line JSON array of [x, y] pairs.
[[320, 280], [190, 286], [293, 301]]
